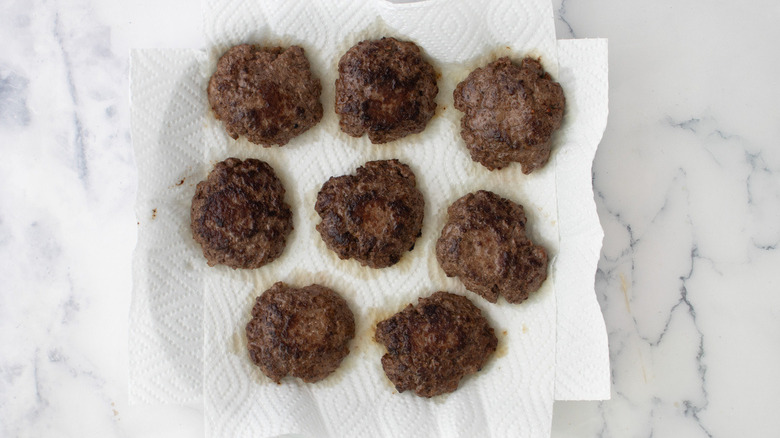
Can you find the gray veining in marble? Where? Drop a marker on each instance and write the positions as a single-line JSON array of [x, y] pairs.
[[13, 98], [688, 190]]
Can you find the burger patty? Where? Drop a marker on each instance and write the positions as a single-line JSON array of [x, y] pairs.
[[373, 216], [484, 244], [511, 113], [302, 333], [386, 89], [433, 345], [238, 214], [267, 94]]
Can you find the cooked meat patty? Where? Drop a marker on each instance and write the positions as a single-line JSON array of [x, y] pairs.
[[239, 216], [374, 216], [386, 89], [267, 94], [510, 113], [484, 244], [433, 345], [299, 332]]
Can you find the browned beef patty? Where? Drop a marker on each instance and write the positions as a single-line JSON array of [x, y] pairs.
[[239, 216], [433, 345], [484, 244], [267, 94], [373, 216], [299, 332], [386, 89], [510, 113]]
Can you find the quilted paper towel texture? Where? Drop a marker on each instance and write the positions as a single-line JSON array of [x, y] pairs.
[[514, 392], [582, 354]]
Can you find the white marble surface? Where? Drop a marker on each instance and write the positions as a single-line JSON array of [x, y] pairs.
[[687, 175]]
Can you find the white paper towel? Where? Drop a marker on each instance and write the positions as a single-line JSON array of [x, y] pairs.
[[166, 336], [513, 394], [169, 110], [582, 359]]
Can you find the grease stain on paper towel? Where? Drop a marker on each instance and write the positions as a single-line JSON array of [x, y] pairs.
[[503, 348], [238, 343]]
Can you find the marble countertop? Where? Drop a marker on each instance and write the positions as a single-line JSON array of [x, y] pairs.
[[687, 182]]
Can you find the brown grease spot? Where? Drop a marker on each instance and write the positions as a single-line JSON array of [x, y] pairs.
[[181, 181], [525, 328], [364, 333], [377, 315], [237, 344], [502, 349], [257, 376], [154, 213]]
